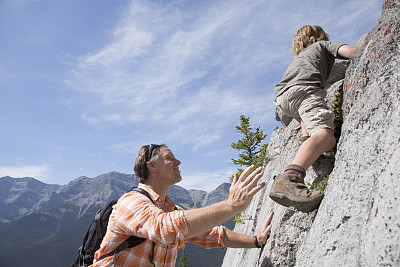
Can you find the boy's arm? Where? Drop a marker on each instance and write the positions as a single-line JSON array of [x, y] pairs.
[[348, 51]]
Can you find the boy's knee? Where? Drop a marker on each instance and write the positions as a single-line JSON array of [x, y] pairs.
[[332, 140], [327, 135], [330, 137]]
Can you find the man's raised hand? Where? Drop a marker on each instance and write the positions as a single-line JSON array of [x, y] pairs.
[[243, 188]]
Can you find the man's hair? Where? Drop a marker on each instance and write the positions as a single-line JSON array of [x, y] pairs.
[[140, 166], [306, 36]]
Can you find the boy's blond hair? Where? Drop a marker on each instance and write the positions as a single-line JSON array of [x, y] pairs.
[[306, 36]]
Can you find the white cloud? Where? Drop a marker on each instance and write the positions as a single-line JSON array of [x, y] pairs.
[[36, 171], [188, 71], [186, 76]]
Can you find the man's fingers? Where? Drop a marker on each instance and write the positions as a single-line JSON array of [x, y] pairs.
[[267, 231], [266, 228], [255, 190], [253, 179], [235, 178], [263, 235], [268, 219], [267, 223], [245, 173]]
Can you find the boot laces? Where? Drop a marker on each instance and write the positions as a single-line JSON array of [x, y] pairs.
[[300, 186]]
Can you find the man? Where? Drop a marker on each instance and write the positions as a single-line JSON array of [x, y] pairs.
[[165, 228]]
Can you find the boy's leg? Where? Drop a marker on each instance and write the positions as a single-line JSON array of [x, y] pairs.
[[319, 142], [288, 188]]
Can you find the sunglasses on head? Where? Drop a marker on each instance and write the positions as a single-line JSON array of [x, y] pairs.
[[151, 148]]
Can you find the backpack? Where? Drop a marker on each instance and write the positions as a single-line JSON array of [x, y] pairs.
[[97, 231]]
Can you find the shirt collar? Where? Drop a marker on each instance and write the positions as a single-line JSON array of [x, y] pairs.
[[156, 197]]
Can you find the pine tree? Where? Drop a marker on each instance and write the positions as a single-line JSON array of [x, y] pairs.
[[252, 152], [184, 259]]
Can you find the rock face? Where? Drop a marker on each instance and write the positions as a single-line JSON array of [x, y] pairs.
[[357, 223]]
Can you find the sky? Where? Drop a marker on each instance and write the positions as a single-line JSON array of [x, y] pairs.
[[85, 83]]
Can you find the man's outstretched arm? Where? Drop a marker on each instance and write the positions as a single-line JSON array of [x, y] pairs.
[[240, 195]]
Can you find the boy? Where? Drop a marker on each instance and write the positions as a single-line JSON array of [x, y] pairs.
[[301, 95]]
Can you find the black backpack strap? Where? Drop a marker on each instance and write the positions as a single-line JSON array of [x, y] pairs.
[[143, 192], [132, 241], [152, 253], [98, 224], [79, 262]]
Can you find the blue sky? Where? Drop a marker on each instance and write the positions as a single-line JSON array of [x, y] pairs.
[[85, 83]]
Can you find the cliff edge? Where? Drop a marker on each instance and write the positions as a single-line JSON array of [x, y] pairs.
[[357, 223]]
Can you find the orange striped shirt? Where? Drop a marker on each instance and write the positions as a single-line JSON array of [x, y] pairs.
[[135, 214]]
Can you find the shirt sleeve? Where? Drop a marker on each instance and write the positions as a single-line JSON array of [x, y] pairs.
[[211, 239], [136, 215], [332, 47]]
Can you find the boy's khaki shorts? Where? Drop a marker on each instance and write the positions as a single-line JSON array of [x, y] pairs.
[[308, 103]]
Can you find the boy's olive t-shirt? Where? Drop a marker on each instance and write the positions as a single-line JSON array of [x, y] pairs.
[[311, 67]]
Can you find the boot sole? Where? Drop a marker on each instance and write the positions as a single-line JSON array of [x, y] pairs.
[[287, 200]]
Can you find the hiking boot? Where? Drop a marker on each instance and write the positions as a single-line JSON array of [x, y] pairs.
[[289, 190]]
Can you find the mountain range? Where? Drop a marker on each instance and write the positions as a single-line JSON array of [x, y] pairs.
[[43, 224]]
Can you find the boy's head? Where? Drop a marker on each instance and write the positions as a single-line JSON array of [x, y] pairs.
[[306, 36]]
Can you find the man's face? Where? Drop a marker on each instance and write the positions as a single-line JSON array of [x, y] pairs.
[[168, 166]]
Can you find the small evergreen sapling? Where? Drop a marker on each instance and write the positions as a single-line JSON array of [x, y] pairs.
[[252, 152], [184, 259]]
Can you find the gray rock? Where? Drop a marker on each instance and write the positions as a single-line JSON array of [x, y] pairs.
[[357, 223]]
